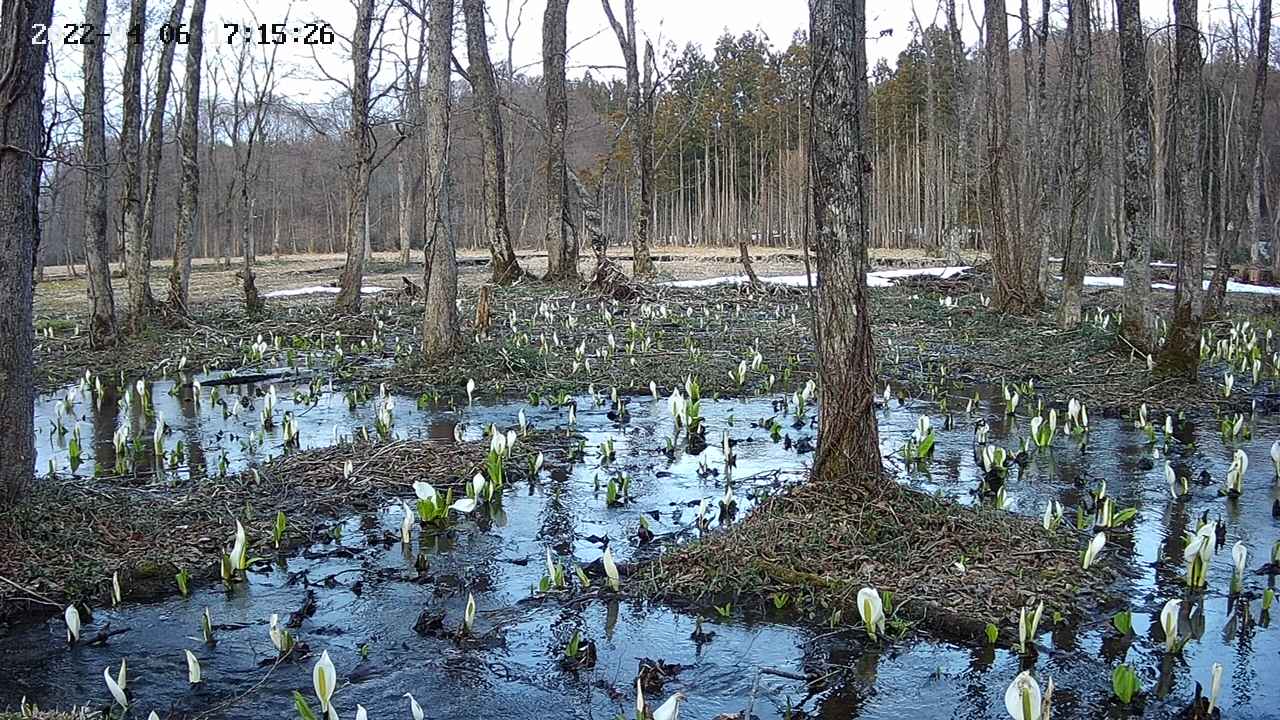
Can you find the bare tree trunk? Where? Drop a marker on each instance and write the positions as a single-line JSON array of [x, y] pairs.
[[1136, 119], [1241, 181], [642, 263], [155, 141], [404, 207], [849, 442], [1080, 154], [1016, 272], [22, 69], [440, 332], [137, 262], [1181, 353], [359, 163], [562, 242], [189, 187], [253, 303], [639, 120], [97, 251], [506, 269]]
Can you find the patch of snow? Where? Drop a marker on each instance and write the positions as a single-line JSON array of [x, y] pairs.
[[879, 278], [320, 290], [1232, 285]]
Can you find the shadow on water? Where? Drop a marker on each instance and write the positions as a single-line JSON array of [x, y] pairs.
[[368, 594]]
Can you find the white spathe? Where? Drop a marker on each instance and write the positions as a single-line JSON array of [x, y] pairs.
[[1022, 699]]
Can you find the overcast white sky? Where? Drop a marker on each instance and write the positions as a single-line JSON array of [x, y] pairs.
[[591, 40]]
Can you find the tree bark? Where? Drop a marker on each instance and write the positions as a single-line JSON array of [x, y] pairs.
[[1181, 352], [97, 250], [22, 69], [1016, 271], [1241, 181], [1079, 137], [359, 163], [639, 120], [440, 332], [848, 444], [189, 187], [562, 242], [1135, 113], [505, 268], [404, 207], [155, 140], [137, 261]]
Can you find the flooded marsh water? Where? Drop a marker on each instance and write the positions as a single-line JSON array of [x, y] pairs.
[[368, 594]]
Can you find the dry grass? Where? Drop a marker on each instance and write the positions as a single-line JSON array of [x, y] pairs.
[[69, 535], [51, 715], [821, 542]]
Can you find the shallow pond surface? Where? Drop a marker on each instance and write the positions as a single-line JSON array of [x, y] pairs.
[[368, 594]]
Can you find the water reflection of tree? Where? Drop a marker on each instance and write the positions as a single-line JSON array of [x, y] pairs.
[[188, 406], [105, 409]]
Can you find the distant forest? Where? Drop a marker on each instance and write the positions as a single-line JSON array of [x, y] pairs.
[[729, 134]]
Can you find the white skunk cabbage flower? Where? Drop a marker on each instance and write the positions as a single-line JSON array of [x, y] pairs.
[[469, 615], [1028, 624], [238, 549], [1095, 547], [871, 609], [1239, 557], [406, 524], [1215, 685], [1023, 698], [72, 616], [324, 678], [361, 713], [639, 699], [676, 405], [1199, 552], [466, 506], [116, 685], [1171, 477], [1235, 473], [477, 485], [922, 429], [611, 569], [471, 390], [425, 491], [653, 389], [277, 635], [415, 708], [1275, 456], [193, 668], [1169, 623], [669, 710]]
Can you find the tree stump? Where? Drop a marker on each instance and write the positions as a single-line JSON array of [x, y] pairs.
[[484, 309]]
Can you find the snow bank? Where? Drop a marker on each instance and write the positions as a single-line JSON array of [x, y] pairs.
[[320, 290], [879, 278], [1232, 285]]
